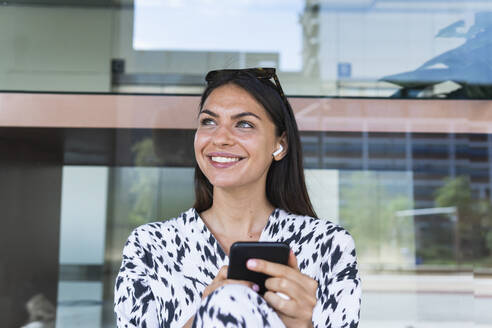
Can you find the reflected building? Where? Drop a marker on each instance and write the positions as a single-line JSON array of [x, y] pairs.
[[431, 158], [146, 71], [365, 48]]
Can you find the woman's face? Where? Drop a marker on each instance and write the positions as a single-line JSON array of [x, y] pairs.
[[235, 139]]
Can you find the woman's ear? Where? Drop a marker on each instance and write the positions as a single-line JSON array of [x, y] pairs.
[[281, 149]]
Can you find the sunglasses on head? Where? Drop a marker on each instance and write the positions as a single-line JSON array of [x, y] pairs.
[[261, 73]]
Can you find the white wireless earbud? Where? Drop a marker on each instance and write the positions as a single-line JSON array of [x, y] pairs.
[[278, 151]]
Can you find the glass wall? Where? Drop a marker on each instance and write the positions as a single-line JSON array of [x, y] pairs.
[[98, 104]]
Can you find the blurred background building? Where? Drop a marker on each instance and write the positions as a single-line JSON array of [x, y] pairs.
[[393, 98]]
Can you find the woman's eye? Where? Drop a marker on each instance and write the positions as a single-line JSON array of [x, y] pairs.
[[244, 124], [207, 121]]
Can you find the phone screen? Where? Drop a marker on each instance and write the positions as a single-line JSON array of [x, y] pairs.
[[241, 252]]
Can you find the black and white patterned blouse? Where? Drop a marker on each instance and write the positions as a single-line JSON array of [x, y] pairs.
[[167, 265]]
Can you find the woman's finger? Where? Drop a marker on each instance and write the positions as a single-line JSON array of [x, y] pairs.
[[285, 306], [276, 269], [222, 274], [288, 308], [292, 289]]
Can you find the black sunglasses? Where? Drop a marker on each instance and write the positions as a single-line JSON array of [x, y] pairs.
[[261, 73]]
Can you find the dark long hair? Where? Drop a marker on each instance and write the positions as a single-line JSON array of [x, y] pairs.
[[285, 184]]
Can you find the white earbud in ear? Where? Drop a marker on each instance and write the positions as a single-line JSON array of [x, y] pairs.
[[278, 151]]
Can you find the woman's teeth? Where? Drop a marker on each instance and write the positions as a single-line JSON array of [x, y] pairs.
[[225, 159]]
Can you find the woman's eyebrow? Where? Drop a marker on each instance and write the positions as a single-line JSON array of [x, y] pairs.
[[234, 117], [245, 114], [209, 112]]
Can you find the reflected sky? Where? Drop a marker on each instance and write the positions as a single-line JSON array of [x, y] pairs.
[[222, 25]]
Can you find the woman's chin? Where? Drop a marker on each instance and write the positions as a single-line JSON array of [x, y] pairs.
[[225, 184]]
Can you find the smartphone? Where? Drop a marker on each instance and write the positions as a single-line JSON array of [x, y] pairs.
[[241, 252]]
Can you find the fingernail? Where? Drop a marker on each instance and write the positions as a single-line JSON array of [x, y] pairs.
[[256, 288], [285, 297], [251, 264]]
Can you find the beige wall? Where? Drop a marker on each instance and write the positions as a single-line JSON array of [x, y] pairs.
[[55, 49]]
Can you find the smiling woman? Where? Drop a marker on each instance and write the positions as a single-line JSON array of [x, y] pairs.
[[234, 147], [249, 186]]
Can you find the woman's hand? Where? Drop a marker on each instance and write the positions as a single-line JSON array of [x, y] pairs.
[[221, 280], [297, 311]]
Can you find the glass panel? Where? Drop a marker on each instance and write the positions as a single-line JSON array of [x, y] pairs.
[[411, 179], [422, 229], [383, 48]]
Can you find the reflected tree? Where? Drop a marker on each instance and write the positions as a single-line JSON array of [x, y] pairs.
[[368, 203], [475, 219], [145, 183]]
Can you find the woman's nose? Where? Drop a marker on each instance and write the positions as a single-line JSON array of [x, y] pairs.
[[222, 136]]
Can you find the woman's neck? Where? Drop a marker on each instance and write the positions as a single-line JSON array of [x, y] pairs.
[[238, 212]]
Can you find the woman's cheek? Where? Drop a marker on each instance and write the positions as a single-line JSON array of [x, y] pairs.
[[198, 146], [201, 139]]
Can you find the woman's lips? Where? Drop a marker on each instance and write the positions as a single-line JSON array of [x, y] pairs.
[[221, 161]]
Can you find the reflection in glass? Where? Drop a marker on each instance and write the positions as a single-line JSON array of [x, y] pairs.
[[381, 48], [414, 202], [418, 204], [369, 206], [460, 73]]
